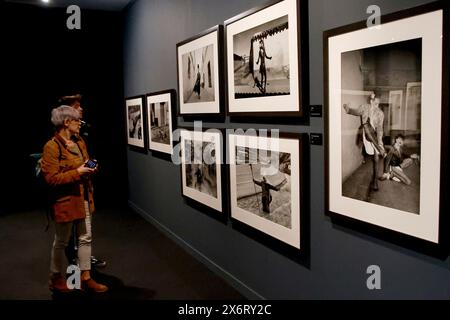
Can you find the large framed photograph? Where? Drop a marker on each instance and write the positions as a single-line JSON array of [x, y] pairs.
[[201, 167], [264, 61], [386, 94], [265, 184], [200, 69], [160, 120], [135, 121]]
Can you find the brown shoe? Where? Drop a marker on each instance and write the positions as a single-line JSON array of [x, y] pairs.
[[57, 283], [91, 285]]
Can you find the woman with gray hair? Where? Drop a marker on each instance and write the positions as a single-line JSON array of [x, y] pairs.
[[71, 196]]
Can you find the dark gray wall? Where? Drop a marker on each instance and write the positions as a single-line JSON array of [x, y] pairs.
[[339, 256]]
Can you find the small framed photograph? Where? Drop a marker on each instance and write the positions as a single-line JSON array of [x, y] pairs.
[[201, 166], [264, 61], [386, 94], [200, 69], [160, 120], [265, 184], [135, 121]]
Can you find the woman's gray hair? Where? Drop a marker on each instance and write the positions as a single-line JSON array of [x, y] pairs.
[[62, 113]]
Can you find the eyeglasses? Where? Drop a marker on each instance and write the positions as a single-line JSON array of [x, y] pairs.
[[78, 121], [81, 122]]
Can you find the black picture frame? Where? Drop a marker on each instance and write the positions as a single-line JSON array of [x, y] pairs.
[[266, 104], [263, 226], [169, 95], [437, 241], [212, 108], [140, 143], [214, 207]]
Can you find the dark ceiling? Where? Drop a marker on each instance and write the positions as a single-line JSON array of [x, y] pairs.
[[108, 5]]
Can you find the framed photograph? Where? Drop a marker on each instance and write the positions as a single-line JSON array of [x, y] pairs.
[[200, 69], [386, 95], [160, 120], [135, 121], [264, 61], [201, 166], [265, 184]]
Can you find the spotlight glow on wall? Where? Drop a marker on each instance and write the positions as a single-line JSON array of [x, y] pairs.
[[45, 1]]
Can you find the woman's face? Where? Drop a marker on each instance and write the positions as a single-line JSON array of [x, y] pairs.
[[73, 125], [77, 106]]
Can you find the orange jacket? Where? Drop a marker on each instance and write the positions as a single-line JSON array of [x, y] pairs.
[[59, 169]]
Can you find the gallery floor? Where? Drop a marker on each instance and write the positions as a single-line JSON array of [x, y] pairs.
[[142, 262]]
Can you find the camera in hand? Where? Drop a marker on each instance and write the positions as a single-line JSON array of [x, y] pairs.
[[91, 163]]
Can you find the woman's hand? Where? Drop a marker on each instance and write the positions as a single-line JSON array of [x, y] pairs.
[[83, 170]]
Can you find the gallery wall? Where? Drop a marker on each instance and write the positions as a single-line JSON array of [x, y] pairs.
[[338, 257]]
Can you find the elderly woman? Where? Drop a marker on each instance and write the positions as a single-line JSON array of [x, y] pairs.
[[64, 170]]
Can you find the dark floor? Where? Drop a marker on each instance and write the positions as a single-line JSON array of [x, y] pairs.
[[142, 262], [391, 194]]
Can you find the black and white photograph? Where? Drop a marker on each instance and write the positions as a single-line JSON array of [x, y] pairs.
[[135, 119], [264, 60], [160, 120], [198, 75], [261, 60], [384, 123], [265, 188], [199, 85], [381, 138], [201, 175]]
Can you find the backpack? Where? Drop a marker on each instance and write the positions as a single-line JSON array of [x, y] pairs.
[[37, 158]]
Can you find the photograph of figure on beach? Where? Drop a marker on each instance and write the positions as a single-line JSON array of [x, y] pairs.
[[266, 183], [261, 60], [264, 188]]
